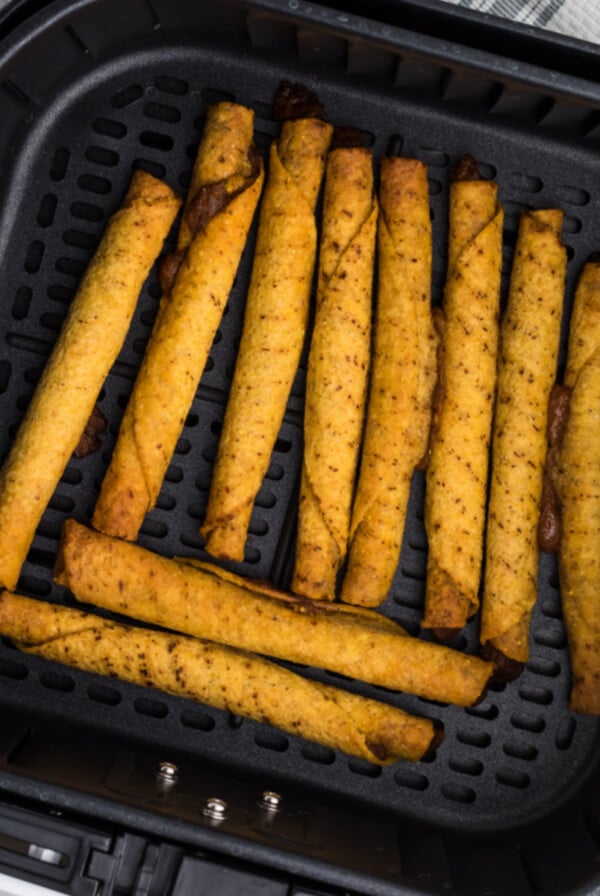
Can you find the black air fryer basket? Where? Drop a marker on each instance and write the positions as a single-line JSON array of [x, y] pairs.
[[90, 89]]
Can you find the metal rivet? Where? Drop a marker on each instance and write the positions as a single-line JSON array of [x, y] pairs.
[[167, 771], [215, 808], [270, 800]]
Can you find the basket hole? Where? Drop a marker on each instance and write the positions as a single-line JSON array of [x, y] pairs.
[[60, 163], [59, 293], [211, 96], [364, 768], [12, 669], [155, 709], [93, 183], [199, 721], [174, 474], [156, 140], [154, 529], [265, 499], [154, 168], [542, 696], [71, 476], [62, 503], [5, 372], [165, 502], [21, 303], [258, 528], [127, 96], [550, 637], [57, 681], [271, 740], [162, 112], [551, 607], [99, 155], [483, 712], [512, 778], [434, 158], [473, 738], [106, 127], [319, 754], [79, 239], [52, 321], [572, 224], [572, 195], [525, 722], [234, 721], [466, 766], [395, 145], [565, 733], [34, 256], [70, 266], [87, 212], [183, 446], [412, 601], [407, 777], [47, 210], [100, 693], [541, 666], [458, 793], [519, 749], [520, 180], [487, 171]]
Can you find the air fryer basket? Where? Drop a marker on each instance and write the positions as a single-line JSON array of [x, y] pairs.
[[89, 90]]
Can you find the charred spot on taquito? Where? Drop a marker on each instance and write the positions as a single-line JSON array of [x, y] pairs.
[[436, 741], [506, 669], [91, 437], [549, 525], [466, 169], [444, 633], [347, 138], [293, 101]]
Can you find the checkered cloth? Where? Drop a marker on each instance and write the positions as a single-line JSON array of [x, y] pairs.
[[577, 18]]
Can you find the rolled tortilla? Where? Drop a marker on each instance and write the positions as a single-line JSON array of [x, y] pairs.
[[403, 375], [577, 484], [338, 366], [273, 332], [222, 677], [457, 473], [128, 579], [262, 586], [226, 185], [528, 355], [88, 344]]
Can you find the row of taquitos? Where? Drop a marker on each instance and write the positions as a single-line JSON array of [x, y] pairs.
[[33, 625]]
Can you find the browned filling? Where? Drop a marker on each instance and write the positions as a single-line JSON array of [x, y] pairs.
[[549, 525], [294, 101]]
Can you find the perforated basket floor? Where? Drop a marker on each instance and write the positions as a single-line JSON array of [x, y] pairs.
[[115, 89]]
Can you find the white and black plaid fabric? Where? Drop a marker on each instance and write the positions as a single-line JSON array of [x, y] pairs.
[[577, 18]]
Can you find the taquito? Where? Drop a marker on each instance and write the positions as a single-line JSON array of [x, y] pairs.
[[457, 472], [577, 482], [528, 356], [131, 580], [338, 366], [197, 279], [262, 586], [403, 375], [273, 332], [87, 346], [222, 677]]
